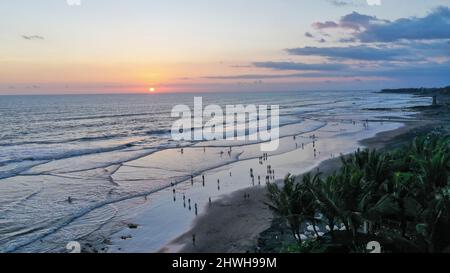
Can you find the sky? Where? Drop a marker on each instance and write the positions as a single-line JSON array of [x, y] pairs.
[[118, 46]]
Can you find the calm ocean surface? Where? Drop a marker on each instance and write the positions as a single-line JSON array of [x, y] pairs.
[[52, 147]]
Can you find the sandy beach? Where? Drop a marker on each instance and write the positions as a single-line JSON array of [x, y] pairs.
[[234, 224], [216, 211]]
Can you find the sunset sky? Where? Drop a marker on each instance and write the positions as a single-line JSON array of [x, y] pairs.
[[118, 46]]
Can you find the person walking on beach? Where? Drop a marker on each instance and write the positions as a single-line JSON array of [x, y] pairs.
[[210, 202], [182, 151], [193, 239]]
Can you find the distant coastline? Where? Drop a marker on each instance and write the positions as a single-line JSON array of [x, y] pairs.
[[420, 91]]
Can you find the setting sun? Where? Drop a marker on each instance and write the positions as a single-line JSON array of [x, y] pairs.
[[151, 89]]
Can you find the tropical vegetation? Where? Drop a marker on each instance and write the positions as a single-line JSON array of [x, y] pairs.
[[399, 199]]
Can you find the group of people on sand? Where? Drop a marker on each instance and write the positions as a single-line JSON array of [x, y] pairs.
[[229, 152], [264, 157], [188, 202], [188, 205]]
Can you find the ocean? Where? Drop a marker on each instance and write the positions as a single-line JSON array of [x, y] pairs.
[[104, 150]]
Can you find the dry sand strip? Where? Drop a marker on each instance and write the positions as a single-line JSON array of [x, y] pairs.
[[231, 225]]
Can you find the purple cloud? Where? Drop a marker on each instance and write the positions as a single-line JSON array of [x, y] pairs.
[[354, 21], [361, 52], [369, 29], [434, 26], [300, 66], [325, 25]]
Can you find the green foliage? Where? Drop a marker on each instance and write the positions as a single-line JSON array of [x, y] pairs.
[[401, 197], [307, 246]]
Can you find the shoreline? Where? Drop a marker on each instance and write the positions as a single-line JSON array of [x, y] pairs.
[[166, 208], [236, 225], [233, 223]]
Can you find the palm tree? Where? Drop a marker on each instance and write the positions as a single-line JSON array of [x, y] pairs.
[[403, 196], [328, 195], [285, 203]]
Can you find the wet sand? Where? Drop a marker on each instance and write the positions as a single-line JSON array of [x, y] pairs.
[[233, 224]]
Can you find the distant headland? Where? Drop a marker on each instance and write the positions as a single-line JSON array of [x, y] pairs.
[[420, 91]]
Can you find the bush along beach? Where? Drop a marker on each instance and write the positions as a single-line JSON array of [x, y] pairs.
[[399, 200]]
